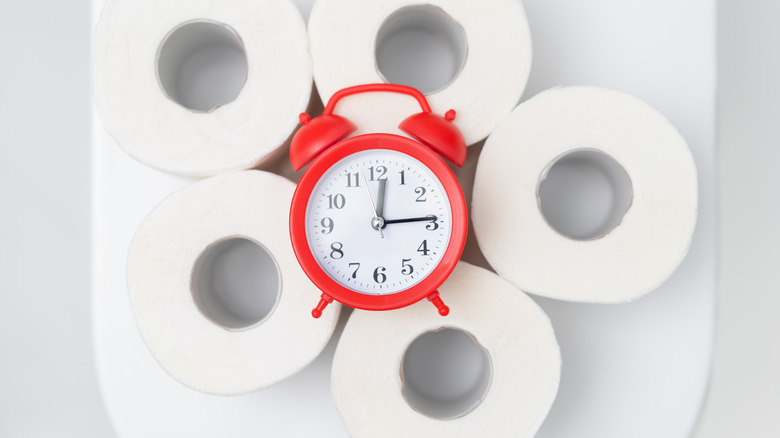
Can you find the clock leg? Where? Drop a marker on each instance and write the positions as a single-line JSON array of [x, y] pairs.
[[436, 300], [324, 301]]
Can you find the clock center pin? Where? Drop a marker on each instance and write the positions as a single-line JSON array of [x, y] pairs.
[[378, 223]]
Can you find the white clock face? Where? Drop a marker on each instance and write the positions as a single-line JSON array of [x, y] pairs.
[[378, 222]]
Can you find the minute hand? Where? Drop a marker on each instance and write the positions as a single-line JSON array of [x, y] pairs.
[[430, 217]]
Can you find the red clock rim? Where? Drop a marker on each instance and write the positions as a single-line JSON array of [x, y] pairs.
[[341, 293]]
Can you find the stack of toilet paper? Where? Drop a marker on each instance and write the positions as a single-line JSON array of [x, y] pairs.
[[211, 344]]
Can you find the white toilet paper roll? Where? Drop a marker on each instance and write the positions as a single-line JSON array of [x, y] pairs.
[[654, 212], [143, 52], [512, 397], [482, 80], [203, 332]]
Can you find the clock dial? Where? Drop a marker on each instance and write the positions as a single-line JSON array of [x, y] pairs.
[[378, 221]]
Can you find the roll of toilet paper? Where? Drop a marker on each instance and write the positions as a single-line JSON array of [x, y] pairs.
[[403, 373], [199, 87], [473, 57], [213, 329], [534, 241]]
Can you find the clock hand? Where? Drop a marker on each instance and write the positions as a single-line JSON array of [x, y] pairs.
[[430, 217], [376, 222], [380, 198]]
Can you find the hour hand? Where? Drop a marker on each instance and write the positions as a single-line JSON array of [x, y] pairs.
[[380, 198], [376, 222], [430, 217]]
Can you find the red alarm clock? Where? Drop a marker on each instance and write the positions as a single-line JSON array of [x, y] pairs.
[[378, 221]]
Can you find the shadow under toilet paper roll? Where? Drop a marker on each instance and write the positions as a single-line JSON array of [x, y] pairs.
[[200, 87], [217, 293], [473, 57], [585, 194], [491, 368]]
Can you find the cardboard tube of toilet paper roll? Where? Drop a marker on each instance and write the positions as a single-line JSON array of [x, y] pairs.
[[204, 338], [143, 46], [646, 240], [491, 47], [522, 373]]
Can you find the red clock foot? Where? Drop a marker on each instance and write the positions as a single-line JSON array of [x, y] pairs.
[[324, 301], [436, 300]]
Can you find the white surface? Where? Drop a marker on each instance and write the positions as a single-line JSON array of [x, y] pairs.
[[47, 376], [744, 397], [632, 370]]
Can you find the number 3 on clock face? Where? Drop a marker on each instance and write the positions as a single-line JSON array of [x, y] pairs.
[[378, 222]]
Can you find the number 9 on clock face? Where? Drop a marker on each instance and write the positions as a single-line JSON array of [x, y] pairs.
[[378, 221]]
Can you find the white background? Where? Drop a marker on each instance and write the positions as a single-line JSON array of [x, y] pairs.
[[47, 383], [47, 374]]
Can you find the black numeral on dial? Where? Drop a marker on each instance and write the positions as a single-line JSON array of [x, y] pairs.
[[406, 268], [420, 191], [423, 248], [336, 250], [353, 177], [379, 174], [379, 275], [336, 201], [356, 266], [327, 225]]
